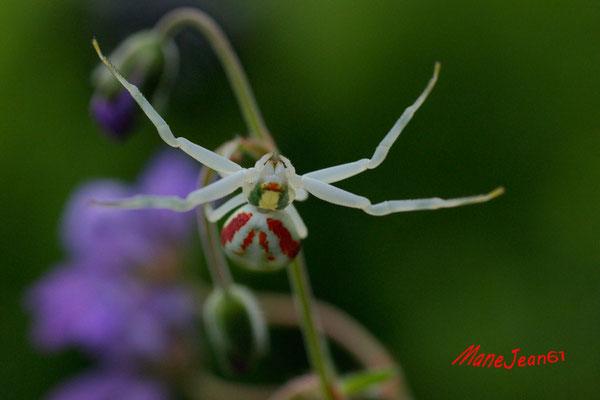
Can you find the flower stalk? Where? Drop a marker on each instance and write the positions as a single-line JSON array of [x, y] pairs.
[[235, 320], [209, 238], [313, 338], [168, 26]]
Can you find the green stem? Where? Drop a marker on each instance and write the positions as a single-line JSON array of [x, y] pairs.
[[318, 353], [344, 330], [315, 343], [174, 21], [209, 238]]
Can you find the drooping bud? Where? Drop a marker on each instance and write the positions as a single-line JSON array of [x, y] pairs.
[[235, 329], [115, 116], [145, 60]]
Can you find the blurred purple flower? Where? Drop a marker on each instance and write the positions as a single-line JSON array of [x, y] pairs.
[[120, 296], [109, 386], [170, 173], [110, 233], [115, 116], [116, 319], [131, 237]]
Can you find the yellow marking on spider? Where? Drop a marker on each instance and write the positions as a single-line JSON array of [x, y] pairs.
[[269, 200]]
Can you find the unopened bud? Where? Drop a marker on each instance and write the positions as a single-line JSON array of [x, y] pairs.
[[235, 329], [145, 60]]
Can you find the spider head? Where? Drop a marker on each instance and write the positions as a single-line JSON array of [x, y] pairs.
[[271, 189]]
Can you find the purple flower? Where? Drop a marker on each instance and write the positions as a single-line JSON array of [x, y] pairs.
[[118, 319], [115, 115], [110, 233], [170, 173], [109, 386], [71, 306], [135, 237], [120, 294]]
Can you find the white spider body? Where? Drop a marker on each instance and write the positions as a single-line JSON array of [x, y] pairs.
[[270, 187], [259, 239]]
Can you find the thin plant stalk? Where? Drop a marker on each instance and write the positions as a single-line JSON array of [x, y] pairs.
[[167, 27], [173, 22], [314, 340], [344, 330], [209, 238]]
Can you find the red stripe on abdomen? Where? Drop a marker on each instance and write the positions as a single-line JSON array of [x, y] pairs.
[[287, 244], [234, 226], [248, 240], [264, 243]]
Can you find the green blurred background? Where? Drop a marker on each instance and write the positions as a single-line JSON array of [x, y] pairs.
[[517, 104]]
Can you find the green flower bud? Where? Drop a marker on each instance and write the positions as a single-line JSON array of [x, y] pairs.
[[235, 329]]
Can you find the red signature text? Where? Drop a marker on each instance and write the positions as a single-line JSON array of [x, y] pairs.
[[482, 359]]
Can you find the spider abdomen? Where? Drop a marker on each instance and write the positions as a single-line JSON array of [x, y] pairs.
[[260, 240]]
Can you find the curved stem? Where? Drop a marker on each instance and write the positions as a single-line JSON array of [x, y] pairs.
[[209, 238], [167, 27], [208, 386], [346, 332], [315, 343], [319, 356], [209, 235], [171, 23], [339, 327]]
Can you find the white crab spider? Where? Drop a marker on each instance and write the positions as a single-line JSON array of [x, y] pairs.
[[265, 233]]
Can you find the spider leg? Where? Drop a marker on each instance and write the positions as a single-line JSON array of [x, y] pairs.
[[343, 171], [297, 220], [338, 196], [214, 191], [205, 156], [213, 215]]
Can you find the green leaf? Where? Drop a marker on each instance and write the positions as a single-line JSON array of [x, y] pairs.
[[359, 382]]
